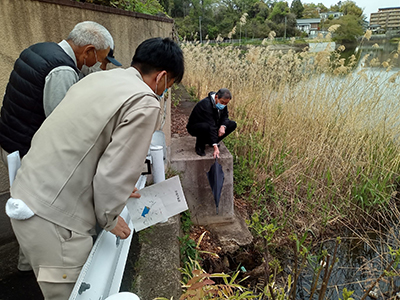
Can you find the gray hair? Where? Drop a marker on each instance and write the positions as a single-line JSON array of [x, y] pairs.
[[89, 32], [224, 93]]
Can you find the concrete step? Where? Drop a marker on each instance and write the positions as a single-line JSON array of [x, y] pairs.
[[193, 170]]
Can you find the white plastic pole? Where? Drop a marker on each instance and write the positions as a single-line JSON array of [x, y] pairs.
[[157, 157], [158, 171]]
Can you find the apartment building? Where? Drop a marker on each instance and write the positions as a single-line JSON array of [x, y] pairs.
[[387, 18]]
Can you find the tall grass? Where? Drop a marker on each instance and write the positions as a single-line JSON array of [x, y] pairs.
[[317, 137]]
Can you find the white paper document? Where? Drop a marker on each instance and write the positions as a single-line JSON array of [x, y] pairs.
[[157, 203]]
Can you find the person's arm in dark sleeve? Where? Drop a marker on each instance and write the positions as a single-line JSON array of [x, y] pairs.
[[203, 113], [207, 115], [225, 117]]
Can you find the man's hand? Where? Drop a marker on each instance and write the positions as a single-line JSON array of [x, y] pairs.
[[216, 151], [221, 131], [135, 194], [121, 229]]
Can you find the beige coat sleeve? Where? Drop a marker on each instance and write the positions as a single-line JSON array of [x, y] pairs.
[[121, 163]]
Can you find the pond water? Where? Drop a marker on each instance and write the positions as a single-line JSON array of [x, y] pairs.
[[382, 52], [372, 86], [361, 259]]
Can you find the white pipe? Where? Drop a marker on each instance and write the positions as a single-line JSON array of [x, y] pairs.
[[158, 170], [157, 157]]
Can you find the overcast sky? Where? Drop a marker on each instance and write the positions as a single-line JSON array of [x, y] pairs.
[[369, 6]]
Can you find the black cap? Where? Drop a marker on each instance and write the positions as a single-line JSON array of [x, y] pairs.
[[111, 58]]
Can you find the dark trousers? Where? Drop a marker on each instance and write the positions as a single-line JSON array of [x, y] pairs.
[[202, 132]]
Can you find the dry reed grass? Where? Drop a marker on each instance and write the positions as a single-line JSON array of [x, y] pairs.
[[323, 133]]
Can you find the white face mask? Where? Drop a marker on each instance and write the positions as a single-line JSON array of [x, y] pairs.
[[85, 70]]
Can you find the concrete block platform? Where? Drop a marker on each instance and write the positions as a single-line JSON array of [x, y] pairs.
[[193, 173]]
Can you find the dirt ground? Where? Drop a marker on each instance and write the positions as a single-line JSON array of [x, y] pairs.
[[182, 105]]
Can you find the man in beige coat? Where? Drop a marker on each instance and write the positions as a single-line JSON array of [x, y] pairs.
[[84, 162]]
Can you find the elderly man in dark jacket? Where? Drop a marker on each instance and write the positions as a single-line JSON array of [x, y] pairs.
[[209, 121]]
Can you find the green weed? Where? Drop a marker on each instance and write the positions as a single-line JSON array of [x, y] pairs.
[[186, 222], [176, 99], [187, 248]]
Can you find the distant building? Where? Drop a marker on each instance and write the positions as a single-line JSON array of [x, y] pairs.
[[387, 18], [334, 14], [375, 28], [309, 26]]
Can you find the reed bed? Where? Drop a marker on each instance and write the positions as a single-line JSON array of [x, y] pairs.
[[317, 138]]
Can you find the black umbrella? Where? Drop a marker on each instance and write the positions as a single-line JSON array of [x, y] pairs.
[[216, 179]]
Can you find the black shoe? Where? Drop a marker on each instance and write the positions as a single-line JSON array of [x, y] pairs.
[[200, 151]]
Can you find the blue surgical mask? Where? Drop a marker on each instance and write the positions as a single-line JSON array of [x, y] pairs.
[[163, 93], [220, 106]]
